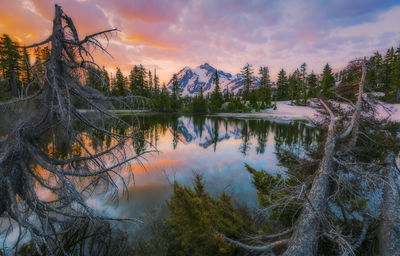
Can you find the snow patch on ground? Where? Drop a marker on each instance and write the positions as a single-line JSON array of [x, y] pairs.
[[391, 111], [287, 111], [284, 110]]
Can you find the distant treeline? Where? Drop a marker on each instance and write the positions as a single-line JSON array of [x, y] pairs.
[[17, 71]]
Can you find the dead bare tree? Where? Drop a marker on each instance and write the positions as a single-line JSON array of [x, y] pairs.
[[389, 227], [340, 153], [26, 168]]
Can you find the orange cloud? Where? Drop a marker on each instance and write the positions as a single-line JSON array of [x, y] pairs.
[[137, 38], [138, 168]]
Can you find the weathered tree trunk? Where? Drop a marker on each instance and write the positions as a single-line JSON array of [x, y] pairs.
[[13, 83], [304, 240], [353, 127], [389, 227]]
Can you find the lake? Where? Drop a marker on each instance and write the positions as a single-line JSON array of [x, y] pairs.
[[215, 147]]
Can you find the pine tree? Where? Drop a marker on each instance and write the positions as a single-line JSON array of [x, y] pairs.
[[312, 84], [216, 96], [133, 83], [374, 72], [150, 82], [226, 94], [141, 80], [327, 81], [303, 84], [265, 86], [199, 104], [394, 84], [156, 82], [294, 87], [26, 68], [10, 62], [282, 84], [387, 65], [175, 93], [106, 81], [247, 72], [120, 83]]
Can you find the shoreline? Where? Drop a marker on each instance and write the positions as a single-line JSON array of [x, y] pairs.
[[285, 111]]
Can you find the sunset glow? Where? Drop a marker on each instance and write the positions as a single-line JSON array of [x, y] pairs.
[[169, 35]]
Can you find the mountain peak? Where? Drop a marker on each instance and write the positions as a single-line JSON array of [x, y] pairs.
[[206, 66], [191, 80]]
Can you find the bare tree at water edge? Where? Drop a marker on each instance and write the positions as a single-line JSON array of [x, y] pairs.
[[343, 198], [26, 168]]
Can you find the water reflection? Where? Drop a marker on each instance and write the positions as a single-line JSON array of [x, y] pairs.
[[213, 146], [216, 147]]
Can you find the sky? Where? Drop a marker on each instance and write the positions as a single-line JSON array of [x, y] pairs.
[[171, 34]]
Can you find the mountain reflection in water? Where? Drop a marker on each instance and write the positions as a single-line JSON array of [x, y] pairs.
[[213, 146]]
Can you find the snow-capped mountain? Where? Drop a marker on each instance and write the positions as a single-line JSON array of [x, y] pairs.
[[191, 79], [190, 133]]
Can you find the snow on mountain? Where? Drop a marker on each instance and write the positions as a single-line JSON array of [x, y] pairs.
[[188, 132], [192, 79]]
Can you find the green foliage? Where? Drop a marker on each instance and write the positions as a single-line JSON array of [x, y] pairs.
[[163, 101], [327, 81], [282, 84], [138, 84], [196, 219], [236, 105], [312, 84], [10, 62], [119, 84], [176, 92], [247, 72], [265, 87], [254, 97], [394, 84], [273, 193], [350, 79], [216, 99], [199, 104]]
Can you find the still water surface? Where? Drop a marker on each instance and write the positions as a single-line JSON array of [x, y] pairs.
[[215, 147]]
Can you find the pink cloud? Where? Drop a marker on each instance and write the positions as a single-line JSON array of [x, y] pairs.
[[226, 33]]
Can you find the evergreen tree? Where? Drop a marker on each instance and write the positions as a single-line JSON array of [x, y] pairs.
[[394, 83], [156, 82], [327, 81], [120, 83], [294, 86], [247, 72], [150, 82], [133, 83], [374, 72], [175, 93], [302, 91], [106, 81], [226, 94], [312, 84], [137, 80], [199, 104], [10, 62], [282, 84], [386, 70], [41, 55], [196, 218], [141, 80], [216, 96], [26, 68], [265, 86]]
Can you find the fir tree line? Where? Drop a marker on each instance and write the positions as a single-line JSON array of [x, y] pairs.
[[17, 71]]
